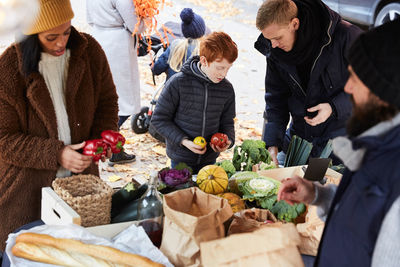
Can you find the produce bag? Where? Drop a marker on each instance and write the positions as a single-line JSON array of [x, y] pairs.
[[191, 217], [274, 245], [310, 232], [250, 220]]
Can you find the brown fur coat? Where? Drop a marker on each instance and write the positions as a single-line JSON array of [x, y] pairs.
[[28, 127]]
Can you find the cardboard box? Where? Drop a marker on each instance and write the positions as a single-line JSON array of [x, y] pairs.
[[56, 211]]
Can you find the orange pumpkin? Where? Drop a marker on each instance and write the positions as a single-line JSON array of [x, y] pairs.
[[236, 202], [212, 179]]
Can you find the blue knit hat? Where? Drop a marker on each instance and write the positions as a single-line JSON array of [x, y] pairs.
[[193, 25]]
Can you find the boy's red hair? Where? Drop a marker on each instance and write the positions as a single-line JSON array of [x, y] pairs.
[[218, 46]]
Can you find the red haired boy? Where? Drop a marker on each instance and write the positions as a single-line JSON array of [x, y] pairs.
[[199, 101]]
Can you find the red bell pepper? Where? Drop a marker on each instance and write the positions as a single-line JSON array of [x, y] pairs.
[[95, 148], [114, 140], [219, 140]]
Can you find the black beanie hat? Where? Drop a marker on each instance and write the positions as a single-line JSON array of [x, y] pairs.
[[193, 25], [375, 58]]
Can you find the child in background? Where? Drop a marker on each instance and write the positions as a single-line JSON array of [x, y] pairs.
[[199, 101], [171, 61]]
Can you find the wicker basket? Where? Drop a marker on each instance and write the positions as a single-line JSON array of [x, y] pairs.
[[88, 195]]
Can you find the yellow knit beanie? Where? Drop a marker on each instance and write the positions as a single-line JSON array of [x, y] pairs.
[[52, 14]]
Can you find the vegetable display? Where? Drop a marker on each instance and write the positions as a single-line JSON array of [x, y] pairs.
[[263, 191], [259, 188], [212, 179], [200, 141], [227, 166], [238, 178], [249, 153], [128, 213], [179, 177], [236, 202], [219, 140], [124, 196], [114, 140], [286, 212], [267, 166], [95, 148], [173, 177]]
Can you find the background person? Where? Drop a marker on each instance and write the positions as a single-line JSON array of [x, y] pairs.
[[304, 43], [113, 22], [198, 101], [363, 216], [56, 91], [171, 61]]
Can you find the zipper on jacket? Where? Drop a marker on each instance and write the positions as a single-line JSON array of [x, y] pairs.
[[301, 88], [315, 61], [204, 117], [322, 48]]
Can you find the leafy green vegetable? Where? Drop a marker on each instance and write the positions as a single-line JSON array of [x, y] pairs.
[[264, 190], [260, 189], [268, 202], [298, 152], [267, 166], [227, 166], [249, 153], [182, 165], [284, 211], [238, 178]]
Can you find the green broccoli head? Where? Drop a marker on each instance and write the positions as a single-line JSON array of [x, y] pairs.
[[286, 212], [250, 143]]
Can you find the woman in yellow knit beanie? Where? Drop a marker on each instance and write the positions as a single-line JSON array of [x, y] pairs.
[[52, 13], [56, 91]]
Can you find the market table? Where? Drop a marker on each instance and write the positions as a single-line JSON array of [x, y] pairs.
[[308, 260]]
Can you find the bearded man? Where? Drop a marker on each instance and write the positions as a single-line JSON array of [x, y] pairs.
[[363, 213]]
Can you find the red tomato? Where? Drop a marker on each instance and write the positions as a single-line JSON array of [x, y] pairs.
[[219, 139]]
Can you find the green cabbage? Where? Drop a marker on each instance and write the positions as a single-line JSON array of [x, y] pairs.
[[239, 178], [259, 188]]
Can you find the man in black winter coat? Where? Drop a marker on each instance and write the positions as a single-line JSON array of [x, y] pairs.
[[305, 44]]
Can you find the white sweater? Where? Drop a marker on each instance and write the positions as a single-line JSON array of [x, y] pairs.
[[55, 71]]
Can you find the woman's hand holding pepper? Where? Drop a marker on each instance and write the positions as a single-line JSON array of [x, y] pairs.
[[72, 160]]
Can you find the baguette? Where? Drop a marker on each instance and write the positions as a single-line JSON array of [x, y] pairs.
[[70, 252]]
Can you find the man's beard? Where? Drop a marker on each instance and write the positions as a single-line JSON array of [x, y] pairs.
[[367, 115]]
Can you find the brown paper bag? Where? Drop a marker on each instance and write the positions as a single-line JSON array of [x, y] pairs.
[[191, 217], [311, 230], [250, 220], [274, 245]]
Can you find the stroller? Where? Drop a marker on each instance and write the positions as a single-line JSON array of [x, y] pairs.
[[140, 122]]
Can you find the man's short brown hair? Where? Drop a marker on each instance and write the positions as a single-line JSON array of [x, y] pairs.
[[218, 46], [275, 11]]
